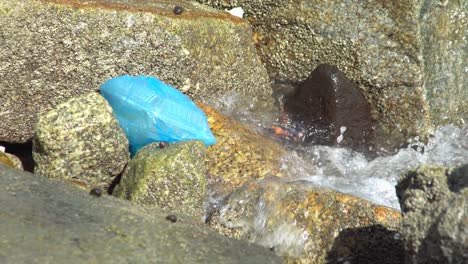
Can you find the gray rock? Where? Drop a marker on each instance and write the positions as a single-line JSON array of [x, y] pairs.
[[172, 178], [69, 48], [434, 203], [80, 140], [409, 58], [45, 221]]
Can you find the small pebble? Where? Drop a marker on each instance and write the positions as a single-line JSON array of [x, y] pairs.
[[96, 192], [178, 10], [163, 144], [171, 218]]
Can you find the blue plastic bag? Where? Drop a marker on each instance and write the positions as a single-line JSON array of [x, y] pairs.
[[149, 110]]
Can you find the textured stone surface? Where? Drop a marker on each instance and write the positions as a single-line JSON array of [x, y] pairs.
[[44, 221], [172, 178], [53, 50], [434, 203], [408, 57], [15, 161], [328, 101], [5, 160], [299, 221], [240, 154], [80, 140]]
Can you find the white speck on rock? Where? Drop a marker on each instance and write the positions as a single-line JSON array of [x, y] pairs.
[[236, 11]]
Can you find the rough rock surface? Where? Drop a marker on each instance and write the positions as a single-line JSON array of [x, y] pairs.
[[80, 140], [304, 223], [328, 101], [45, 221], [408, 57], [434, 204], [53, 50], [240, 154], [15, 160], [5, 160], [171, 178]]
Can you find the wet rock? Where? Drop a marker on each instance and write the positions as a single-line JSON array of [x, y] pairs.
[[172, 178], [406, 57], [71, 47], [44, 221], [300, 222], [328, 101], [80, 140], [240, 154], [434, 203]]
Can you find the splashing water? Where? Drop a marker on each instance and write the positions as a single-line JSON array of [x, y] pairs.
[[351, 172]]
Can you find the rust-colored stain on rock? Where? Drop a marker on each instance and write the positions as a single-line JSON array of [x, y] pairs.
[[240, 155]]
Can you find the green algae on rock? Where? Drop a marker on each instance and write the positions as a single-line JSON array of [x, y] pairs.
[[408, 57], [298, 221], [71, 47], [171, 178], [44, 221], [80, 140]]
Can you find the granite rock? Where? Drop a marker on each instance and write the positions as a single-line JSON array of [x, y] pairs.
[[240, 154], [408, 57], [81, 141], [302, 223], [45, 221], [53, 50], [171, 178], [434, 204]]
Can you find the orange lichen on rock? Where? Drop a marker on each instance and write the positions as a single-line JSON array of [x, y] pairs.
[[240, 154]]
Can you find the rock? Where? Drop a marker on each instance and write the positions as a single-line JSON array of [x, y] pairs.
[[408, 58], [329, 101], [305, 224], [44, 221], [5, 160], [71, 47], [15, 161], [240, 154], [434, 203], [172, 178], [80, 140]]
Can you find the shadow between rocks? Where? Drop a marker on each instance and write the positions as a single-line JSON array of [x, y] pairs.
[[373, 245]]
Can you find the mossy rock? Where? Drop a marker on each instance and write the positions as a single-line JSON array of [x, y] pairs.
[[171, 178], [80, 140]]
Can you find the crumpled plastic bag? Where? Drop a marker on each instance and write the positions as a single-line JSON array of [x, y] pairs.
[[150, 111]]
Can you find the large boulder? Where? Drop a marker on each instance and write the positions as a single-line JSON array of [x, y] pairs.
[[307, 224], [44, 221], [240, 154], [434, 203], [171, 178], [408, 57], [53, 50], [80, 140]]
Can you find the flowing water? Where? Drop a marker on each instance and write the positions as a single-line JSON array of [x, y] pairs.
[[352, 172]]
